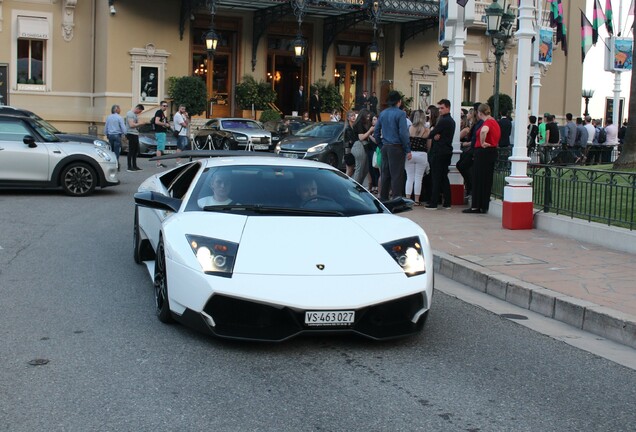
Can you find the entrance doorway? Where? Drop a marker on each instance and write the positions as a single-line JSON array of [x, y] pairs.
[[286, 76], [350, 79]]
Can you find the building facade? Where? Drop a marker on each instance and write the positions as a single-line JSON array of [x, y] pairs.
[[70, 60]]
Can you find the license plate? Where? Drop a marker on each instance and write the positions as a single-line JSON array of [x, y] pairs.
[[169, 151], [261, 147], [329, 318], [290, 155]]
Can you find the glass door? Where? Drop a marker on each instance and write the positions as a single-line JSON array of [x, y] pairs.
[[350, 80]]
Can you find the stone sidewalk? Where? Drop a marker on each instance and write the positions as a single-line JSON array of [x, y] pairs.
[[588, 286]]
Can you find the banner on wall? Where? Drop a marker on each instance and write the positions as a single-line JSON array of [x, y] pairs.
[[545, 45], [443, 17], [621, 54]]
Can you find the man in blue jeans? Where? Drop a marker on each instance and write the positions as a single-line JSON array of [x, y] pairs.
[[114, 129], [392, 136], [181, 125], [161, 125]]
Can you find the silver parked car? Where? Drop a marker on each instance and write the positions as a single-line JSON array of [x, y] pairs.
[[148, 142], [33, 157]]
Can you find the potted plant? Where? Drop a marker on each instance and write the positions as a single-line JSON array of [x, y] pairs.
[[252, 96], [331, 98], [189, 91]]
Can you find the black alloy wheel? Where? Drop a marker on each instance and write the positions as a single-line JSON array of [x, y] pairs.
[[78, 179], [161, 286]]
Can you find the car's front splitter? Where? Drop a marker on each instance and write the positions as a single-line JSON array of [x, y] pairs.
[[236, 318]]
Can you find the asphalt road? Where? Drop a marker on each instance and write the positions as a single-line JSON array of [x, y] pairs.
[[73, 298]]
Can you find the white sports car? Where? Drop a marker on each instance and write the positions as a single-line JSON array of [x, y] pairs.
[[251, 246]]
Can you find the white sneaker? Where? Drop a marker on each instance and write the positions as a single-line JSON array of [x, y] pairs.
[[112, 10]]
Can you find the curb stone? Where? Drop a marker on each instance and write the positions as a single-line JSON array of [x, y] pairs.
[[599, 320]]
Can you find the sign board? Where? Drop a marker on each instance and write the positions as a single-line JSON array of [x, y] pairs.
[[621, 54], [609, 110], [544, 46], [444, 35]]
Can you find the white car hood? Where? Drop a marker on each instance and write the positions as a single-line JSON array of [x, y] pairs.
[[300, 246], [308, 246]]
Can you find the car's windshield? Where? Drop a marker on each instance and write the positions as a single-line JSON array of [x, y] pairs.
[[240, 124], [280, 190], [44, 124], [320, 130], [46, 130]]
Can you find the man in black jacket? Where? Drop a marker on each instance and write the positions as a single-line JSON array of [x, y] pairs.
[[505, 124], [440, 155], [315, 107]]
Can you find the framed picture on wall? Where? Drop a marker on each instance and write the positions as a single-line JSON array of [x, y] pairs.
[[149, 84], [424, 95], [4, 84]]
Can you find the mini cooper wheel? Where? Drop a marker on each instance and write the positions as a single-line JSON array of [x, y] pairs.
[[161, 286], [78, 179], [141, 247]]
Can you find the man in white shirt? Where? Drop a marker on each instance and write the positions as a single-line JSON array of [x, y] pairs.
[[181, 126], [611, 141]]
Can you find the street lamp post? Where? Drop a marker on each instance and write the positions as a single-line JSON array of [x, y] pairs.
[[587, 95], [442, 57], [499, 26]]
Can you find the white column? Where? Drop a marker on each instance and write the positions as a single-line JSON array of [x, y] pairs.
[[456, 101], [517, 208], [617, 100], [536, 91]]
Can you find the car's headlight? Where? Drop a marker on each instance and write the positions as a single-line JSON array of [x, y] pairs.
[[275, 138], [104, 155], [408, 254], [216, 257], [238, 137], [317, 148], [101, 144]]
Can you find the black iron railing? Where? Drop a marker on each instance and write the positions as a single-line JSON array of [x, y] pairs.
[[577, 191]]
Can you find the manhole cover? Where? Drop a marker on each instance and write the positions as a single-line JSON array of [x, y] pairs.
[[514, 316], [38, 362]]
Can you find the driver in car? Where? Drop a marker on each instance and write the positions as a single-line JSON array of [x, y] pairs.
[[221, 187]]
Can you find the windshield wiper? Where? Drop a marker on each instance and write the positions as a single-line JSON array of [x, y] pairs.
[[261, 209]]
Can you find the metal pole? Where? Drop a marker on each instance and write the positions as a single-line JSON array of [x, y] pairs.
[[498, 54]]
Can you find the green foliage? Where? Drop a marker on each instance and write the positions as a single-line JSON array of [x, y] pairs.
[[505, 103], [406, 101], [328, 93], [269, 115], [249, 92], [189, 91]]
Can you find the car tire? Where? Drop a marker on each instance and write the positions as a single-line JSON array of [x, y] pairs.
[[227, 145], [78, 179], [161, 286], [332, 159], [142, 251]]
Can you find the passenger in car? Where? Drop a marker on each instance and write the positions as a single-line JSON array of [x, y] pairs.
[[307, 190], [221, 187]]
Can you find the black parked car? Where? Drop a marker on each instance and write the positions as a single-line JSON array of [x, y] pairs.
[[234, 134], [6, 109], [323, 141], [280, 130]]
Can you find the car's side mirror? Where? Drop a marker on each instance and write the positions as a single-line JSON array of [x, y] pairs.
[[30, 141], [157, 201], [399, 205]]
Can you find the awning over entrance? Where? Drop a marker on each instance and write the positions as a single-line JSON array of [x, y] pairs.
[[33, 28], [474, 63]]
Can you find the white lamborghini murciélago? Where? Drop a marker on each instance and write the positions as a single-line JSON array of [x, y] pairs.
[[250, 246]]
